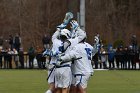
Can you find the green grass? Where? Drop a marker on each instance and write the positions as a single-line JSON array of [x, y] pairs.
[[116, 81], [34, 81]]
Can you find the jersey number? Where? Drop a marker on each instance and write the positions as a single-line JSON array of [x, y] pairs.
[[88, 51]]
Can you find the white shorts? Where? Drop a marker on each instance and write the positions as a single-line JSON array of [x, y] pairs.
[[73, 80], [63, 77], [51, 74], [82, 80]]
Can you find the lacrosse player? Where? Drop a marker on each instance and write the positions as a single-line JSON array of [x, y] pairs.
[[55, 51], [82, 55], [57, 44], [63, 72]]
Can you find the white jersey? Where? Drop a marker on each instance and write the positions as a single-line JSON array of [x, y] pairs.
[[83, 51], [55, 46], [73, 42], [83, 65]]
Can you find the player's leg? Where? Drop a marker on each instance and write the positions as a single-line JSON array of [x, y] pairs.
[[48, 91], [58, 90], [65, 90], [78, 84], [80, 89], [73, 87], [51, 88], [51, 82], [81, 83], [63, 78], [57, 81]]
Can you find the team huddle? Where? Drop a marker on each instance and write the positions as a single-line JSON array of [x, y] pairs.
[[70, 66]]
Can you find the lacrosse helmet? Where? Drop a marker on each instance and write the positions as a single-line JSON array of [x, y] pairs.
[[65, 32]]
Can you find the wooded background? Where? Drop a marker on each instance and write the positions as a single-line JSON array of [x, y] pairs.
[[112, 19]]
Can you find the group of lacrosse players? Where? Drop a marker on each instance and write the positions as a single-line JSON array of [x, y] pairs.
[[70, 66]]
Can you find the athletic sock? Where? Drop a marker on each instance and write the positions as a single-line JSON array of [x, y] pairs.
[[48, 91]]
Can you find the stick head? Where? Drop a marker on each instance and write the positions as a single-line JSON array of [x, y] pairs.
[[66, 21], [68, 17]]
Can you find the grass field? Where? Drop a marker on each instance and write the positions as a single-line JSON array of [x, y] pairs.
[[34, 81]]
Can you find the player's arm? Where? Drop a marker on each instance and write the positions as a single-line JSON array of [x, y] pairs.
[[77, 31], [69, 56], [72, 55], [81, 34], [56, 35]]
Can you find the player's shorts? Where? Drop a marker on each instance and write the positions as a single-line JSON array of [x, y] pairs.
[[51, 75], [63, 77], [73, 79], [82, 80]]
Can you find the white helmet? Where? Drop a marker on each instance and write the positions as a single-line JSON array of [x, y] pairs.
[[65, 32]]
